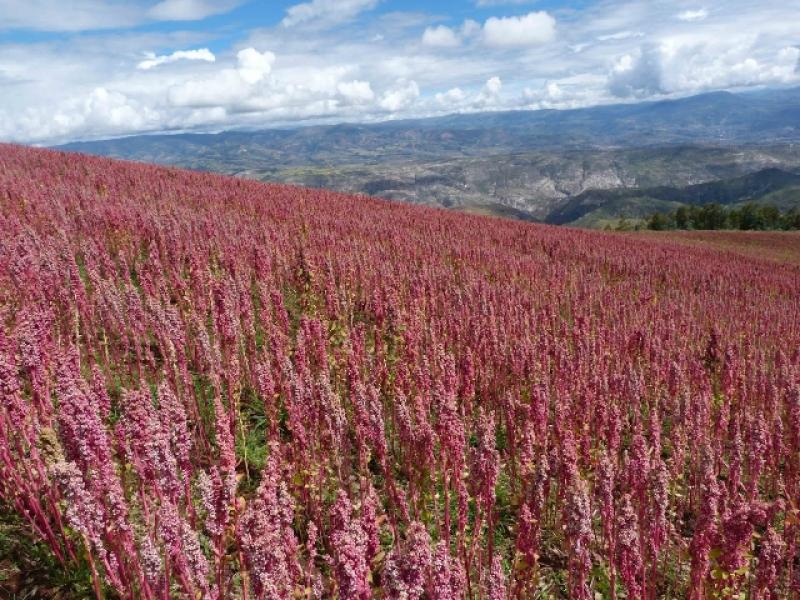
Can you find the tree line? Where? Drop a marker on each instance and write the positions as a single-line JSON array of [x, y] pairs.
[[747, 217]]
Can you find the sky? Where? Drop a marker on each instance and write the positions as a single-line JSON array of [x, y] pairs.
[[88, 69]]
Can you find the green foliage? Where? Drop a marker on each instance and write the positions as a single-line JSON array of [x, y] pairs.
[[660, 222], [746, 217], [251, 447], [625, 224], [29, 569]]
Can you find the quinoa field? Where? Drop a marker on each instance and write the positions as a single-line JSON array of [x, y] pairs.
[[215, 388]]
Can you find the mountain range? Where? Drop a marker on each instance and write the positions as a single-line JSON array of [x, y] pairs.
[[581, 167]]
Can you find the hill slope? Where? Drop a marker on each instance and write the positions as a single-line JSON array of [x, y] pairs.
[[222, 388]]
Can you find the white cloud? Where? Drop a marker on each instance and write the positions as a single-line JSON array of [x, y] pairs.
[[452, 98], [225, 88], [552, 93], [693, 15], [326, 12], [548, 96], [109, 108], [101, 112], [152, 60], [790, 55], [529, 30], [441, 37], [619, 36], [254, 65], [637, 75], [88, 15], [489, 96], [679, 65], [402, 95], [470, 28], [77, 15], [231, 88], [190, 10], [67, 87], [356, 92], [568, 92], [493, 86]]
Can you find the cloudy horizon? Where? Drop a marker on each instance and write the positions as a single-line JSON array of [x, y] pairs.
[[103, 68]]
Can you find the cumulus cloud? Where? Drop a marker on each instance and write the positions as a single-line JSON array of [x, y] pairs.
[[569, 92], [732, 70], [152, 60], [402, 95], [325, 12], [356, 92], [486, 98], [228, 87], [114, 109], [469, 28], [441, 36], [451, 99], [554, 92], [690, 66], [93, 85], [528, 30], [254, 65], [225, 88], [489, 95], [493, 86], [693, 15], [101, 111], [636, 75]]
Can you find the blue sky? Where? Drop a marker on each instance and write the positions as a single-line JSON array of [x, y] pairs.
[[102, 68]]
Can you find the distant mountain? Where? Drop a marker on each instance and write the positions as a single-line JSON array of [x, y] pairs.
[[720, 118], [543, 165]]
